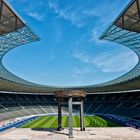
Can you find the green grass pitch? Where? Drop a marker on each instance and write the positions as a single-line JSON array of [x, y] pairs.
[[89, 121]]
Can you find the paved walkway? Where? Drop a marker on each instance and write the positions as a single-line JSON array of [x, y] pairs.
[[117, 133]]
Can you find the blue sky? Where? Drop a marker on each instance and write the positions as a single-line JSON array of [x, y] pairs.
[[69, 53]]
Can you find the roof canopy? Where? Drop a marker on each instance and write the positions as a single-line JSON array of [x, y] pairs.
[[9, 21], [130, 17], [124, 30]]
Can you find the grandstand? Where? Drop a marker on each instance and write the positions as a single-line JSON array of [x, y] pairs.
[[118, 99], [18, 105]]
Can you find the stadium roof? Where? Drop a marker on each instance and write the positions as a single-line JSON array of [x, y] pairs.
[[15, 32]]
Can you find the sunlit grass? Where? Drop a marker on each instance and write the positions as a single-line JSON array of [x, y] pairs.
[[89, 121]]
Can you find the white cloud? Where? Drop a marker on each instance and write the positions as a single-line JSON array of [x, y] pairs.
[[81, 14], [94, 35], [104, 16], [82, 57], [91, 12], [80, 73], [116, 62], [110, 61], [36, 16], [74, 15]]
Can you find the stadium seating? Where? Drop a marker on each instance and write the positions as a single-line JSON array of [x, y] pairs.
[[17, 105]]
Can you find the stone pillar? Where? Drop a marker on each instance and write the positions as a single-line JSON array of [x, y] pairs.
[[59, 115], [82, 116], [70, 117]]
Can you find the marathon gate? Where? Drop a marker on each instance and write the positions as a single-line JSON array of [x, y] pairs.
[[70, 95]]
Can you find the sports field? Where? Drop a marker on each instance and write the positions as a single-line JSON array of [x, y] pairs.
[[90, 121]]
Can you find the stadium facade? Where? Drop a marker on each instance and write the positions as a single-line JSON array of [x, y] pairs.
[[19, 97]]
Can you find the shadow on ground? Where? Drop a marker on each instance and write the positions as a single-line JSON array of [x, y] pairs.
[[52, 130]]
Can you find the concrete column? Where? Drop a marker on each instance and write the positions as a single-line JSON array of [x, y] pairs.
[[82, 116], [70, 117], [59, 115]]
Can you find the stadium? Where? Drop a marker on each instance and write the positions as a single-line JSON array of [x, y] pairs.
[[110, 110]]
